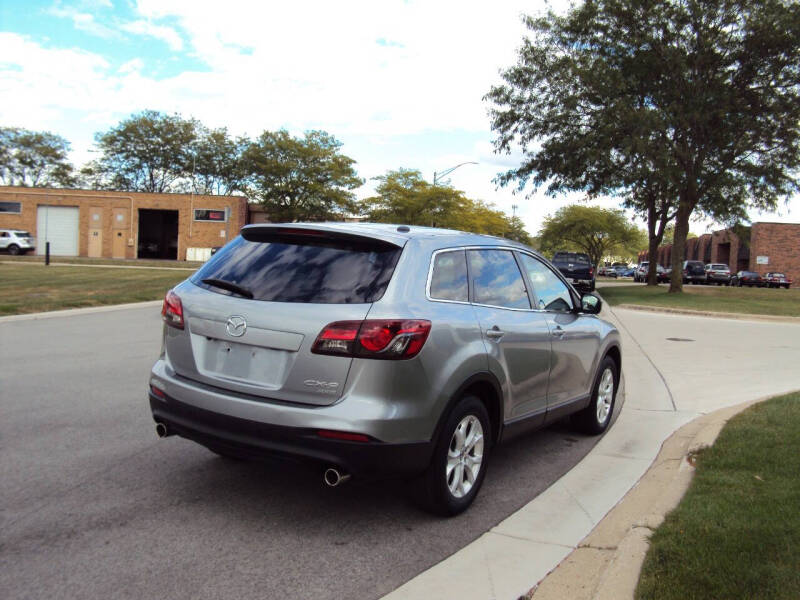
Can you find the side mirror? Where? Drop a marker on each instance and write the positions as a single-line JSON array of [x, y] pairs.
[[591, 304]]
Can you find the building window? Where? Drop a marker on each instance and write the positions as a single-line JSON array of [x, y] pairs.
[[11, 207], [206, 214]]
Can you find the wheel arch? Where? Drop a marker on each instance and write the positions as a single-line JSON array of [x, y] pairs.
[[485, 386], [614, 352]]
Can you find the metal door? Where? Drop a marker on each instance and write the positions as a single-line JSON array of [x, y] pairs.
[[517, 339], [575, 338]]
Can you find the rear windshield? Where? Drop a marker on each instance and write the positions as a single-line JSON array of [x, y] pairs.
[[319, 271], [719, 267], [22, 234], [572, 257]]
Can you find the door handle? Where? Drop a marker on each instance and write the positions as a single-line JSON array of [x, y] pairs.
[[495, 333], [558, 332]]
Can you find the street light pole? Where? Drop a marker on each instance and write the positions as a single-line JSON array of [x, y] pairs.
[[438, 176]]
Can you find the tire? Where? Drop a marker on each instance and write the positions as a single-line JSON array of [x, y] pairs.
[[13, 249], [451, 492], [595, 418]]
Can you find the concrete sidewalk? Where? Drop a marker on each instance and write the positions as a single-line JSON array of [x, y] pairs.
[[676, 368]]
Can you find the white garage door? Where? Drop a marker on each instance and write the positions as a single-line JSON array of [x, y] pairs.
[[59, 226]]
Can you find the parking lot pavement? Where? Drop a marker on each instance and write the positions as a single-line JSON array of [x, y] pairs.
[[93, 505], [676, 368]]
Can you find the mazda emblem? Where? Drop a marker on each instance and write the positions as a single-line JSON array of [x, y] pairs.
[[236, 326]]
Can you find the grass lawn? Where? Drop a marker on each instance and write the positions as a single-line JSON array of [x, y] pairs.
[[752, 301], [125, 262], [28, 288], [736, 533]]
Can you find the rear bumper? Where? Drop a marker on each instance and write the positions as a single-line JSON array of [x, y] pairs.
[[257, 440], [580, 281]]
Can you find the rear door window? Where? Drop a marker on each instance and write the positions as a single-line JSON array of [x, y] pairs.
[[497, 280], [304, 269], [449, 277]]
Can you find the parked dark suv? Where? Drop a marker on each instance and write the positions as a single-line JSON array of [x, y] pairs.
[[376, 350], [694, 271]]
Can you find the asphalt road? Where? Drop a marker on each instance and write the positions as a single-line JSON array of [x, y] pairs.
[[93, 505]]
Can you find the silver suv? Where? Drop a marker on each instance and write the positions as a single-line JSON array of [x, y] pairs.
[[377, 349], [15, 241]]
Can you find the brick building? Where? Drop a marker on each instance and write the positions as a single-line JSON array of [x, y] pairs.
[[762, 247], [123, 224]]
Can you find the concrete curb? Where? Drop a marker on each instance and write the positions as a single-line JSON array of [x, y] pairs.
[[70, 312], [708, 313], [607, 563]]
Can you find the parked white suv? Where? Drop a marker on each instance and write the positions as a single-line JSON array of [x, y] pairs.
[[16, 242]]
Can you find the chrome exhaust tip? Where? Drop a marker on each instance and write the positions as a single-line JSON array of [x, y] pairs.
[[334, 477], [161, 430]]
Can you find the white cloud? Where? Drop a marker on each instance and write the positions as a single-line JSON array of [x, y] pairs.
[[132, 66], [83, 21], [159, 32]]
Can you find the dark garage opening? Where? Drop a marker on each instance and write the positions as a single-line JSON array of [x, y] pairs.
[[158, 234]]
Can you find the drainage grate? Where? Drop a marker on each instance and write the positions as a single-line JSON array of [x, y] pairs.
[[680, 340]]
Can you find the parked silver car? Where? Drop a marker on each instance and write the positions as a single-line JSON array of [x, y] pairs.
[[377, 349]]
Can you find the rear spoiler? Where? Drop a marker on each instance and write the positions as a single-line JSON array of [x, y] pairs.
[[321, 234]]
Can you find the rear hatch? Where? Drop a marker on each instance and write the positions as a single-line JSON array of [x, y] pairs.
[[25, 238], [300, 279], [695, 268]]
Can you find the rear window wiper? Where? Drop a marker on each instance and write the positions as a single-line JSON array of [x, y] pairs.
[[230, 286]]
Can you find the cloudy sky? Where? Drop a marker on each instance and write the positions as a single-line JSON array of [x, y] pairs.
[[400, 83]]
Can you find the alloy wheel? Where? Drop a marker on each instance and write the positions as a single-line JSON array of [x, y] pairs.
[[464, 456], [605, 396]]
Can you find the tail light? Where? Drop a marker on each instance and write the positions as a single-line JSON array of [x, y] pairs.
[[591, 272], [387, 339], [172, 310]]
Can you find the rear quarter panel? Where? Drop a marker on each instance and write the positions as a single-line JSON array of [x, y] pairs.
[[417, 391]]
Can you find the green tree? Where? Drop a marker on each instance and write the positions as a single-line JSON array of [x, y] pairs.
[[403, 196], [700, 99], [148, 152], [516, 231], [300, 179], [217, 166], [596, 231], [34, 159]]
